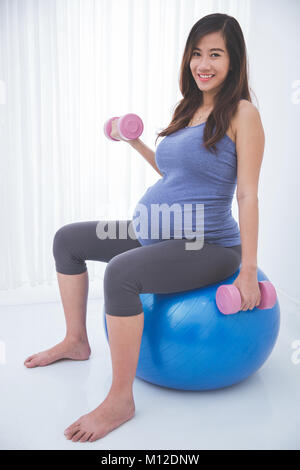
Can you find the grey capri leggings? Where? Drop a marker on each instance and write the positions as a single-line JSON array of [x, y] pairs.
[[161, 268]]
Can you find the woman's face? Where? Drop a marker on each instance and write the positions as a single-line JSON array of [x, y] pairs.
[[208, 59]]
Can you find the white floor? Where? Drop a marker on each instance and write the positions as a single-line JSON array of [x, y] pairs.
[[37, 404]]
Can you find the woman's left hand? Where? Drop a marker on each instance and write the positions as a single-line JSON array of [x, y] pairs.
[[248, 286]]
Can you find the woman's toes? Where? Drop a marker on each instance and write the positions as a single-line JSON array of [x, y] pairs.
[[31, 362], [69, 435], [70, 431], [29, 359], [85, 436], [78, 435]]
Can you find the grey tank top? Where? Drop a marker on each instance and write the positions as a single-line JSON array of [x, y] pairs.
[[194, 181]]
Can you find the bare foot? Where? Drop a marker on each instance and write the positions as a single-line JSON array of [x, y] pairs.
[[110, 414], [67, 349]]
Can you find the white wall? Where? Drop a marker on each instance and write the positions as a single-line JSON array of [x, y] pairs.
[[272, 37], [273, 48]]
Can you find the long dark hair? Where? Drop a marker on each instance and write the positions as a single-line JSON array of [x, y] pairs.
[[234, 88]]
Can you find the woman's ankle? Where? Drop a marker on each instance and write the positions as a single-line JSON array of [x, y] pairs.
[[76, 338], [121, 394]]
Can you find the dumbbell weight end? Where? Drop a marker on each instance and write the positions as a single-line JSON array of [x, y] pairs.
[[130, 127]]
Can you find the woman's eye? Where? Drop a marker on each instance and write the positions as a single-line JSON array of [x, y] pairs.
[[214, 53]]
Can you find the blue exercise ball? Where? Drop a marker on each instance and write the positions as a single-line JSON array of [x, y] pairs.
[[188, 344]]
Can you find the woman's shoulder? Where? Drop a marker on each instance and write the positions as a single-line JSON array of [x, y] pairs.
[[244, 107]]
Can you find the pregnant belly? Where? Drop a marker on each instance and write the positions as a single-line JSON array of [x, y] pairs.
[[157, 220]]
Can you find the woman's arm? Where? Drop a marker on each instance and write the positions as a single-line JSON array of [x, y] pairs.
[[248, 221], [147, 153], [250, 141]]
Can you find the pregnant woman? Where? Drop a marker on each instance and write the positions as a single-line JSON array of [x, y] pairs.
[[214, 143]]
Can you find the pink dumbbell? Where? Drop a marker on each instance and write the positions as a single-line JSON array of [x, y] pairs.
[[228, 297], [130, 127]]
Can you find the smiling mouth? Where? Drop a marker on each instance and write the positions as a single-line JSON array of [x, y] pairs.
[[205, 79]]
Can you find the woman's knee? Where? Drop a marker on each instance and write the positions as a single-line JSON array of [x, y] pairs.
[[66, 260], [59, 241], [121, 288], [120, 274]]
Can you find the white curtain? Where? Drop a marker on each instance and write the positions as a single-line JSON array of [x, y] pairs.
[[66, 66]]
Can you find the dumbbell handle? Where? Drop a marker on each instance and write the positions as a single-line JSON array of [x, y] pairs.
[[228, 297], [130, 127]]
